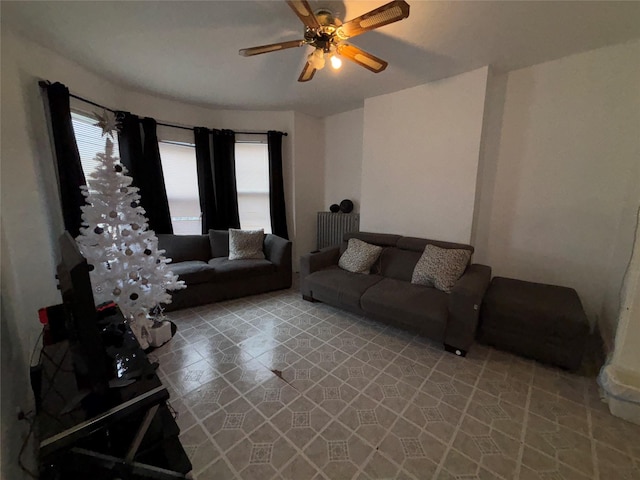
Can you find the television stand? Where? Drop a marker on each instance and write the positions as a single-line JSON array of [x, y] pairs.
[[125, 431]]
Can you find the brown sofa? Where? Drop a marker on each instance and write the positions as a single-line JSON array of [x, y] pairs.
[[202, 262], [387, 293]]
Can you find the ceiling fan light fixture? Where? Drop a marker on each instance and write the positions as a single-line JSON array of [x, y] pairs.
[[316, 59], [336, 63]]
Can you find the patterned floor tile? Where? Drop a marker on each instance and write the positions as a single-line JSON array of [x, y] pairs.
[[376, 356], [559, 410], [337, 452], [198, 447], [331, 394], [298, 468], [327, 357], [273, 387], [301, 421], [368, 419], [499, 414], [487, 447], [416, 451], [614, 464], [379, 467], [537, 465], [391, 392], [234, 422], [566, 445], [209, 398], [450, 391], [272, 396], [192, 377], [408, 371], [457, 466], [433, 415], [504, 386]]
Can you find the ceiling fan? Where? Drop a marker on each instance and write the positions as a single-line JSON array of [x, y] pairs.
[[327, 34]]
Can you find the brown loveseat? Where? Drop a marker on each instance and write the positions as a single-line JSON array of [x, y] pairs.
[[387, 293], [202, 262]]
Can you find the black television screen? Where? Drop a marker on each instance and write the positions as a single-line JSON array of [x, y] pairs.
[[89, 356]]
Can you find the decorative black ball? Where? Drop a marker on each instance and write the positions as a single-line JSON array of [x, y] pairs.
[[118, 168], [134, 204], [346, 206], [334, 208], [90, 267], [147, 251], [98, 230], [133, 296]]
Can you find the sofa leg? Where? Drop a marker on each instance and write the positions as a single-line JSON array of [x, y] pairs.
[[309, 299], [456, 351]]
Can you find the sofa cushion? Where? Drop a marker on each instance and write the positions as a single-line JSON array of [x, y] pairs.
[[397, 263], [359, 256], [422, 307], [246, 244], [440, 267], [380, 239], [219, 243], [182, 248], [193, 272], [338, 287], [237, 269], [418, 244]]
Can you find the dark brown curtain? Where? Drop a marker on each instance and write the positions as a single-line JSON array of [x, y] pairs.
[[70, 174], [206, 189], [276, 185], [224, 176], [140, 154]]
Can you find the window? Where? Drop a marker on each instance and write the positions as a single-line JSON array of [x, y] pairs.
[[252, 181], [90, 142], [181, 181]]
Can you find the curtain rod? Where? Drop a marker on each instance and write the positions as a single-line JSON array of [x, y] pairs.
[[45, 84]]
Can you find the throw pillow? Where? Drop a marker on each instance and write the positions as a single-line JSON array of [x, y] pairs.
[[440, 267], [359, 256], [245, 244]]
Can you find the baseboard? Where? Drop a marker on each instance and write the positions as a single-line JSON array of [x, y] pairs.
[[622, 392]]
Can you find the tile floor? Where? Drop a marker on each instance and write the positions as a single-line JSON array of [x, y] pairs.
[[352, 398]]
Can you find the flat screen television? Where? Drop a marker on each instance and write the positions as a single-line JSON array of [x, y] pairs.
[[91, 364]]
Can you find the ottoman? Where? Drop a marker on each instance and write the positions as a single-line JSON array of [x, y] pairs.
[[544, 322]]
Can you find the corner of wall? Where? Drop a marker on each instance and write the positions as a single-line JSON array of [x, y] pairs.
[[488, 161]]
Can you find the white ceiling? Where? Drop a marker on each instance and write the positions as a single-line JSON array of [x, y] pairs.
[[189, 50]]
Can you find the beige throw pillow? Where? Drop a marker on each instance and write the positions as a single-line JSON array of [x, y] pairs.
[[359, 256], [440, 267], [246, 244]]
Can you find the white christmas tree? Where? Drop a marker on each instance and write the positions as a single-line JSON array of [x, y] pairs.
[[127, 266]]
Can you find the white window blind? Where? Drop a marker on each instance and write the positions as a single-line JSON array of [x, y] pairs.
[[252, 182], [181, 181], [90, 142]]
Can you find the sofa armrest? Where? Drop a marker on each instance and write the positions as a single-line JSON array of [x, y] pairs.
[[278, 251], [465, 301], [314, 261]]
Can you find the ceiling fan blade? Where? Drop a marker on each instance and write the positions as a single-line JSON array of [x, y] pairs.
[[307, 73], [362, 58], [384, 15], [274, 47], [303, 10]]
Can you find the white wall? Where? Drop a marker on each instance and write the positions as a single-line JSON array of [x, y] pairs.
[[627, 354], [31, 219], [343, 157], [555, 191], [308, 174], [420, 158]]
